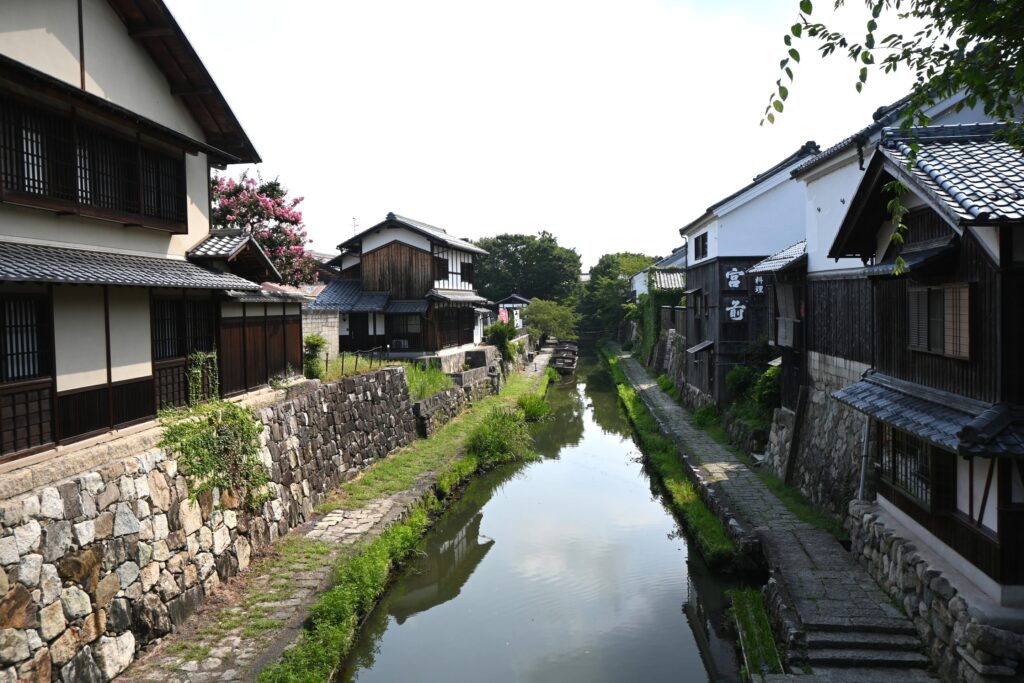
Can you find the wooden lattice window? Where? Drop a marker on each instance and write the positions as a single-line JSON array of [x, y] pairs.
[[181, 327], [24, 345], [906, 464], [700, 246], [54, 159], [939, 320], [467, 272]]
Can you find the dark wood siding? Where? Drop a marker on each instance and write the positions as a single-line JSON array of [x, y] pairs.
[[82, 412], [232, 345], [255, 352], [403, 271], [25, 416], [975, 377], [276, 360], [838, 318]]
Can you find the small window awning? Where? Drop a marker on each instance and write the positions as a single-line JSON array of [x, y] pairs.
[[916, 257], [456, 296], [775, 362], [36, 263], [702, 346], [955, 423], [406, 307], [691, 291], [792, 256], [239, 250]]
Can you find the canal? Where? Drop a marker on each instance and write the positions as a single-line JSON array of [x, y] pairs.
[[568, 569]]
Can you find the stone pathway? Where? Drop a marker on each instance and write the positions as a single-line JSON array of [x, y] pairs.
[[249, 622], [846, 627]]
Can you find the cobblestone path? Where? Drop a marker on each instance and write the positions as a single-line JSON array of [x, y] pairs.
[[849, 628], [251, 620]]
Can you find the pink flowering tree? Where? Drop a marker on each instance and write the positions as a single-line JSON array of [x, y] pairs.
[[263, 209]]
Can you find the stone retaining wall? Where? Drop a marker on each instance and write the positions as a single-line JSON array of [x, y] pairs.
[[436, 411], [98, 564], [963, 646], [829, 455]]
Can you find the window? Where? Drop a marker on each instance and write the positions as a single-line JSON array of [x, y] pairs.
[[54, 157], [440, 268], [939, 320], [405, 324], [467, 272], [24, 346], [700, 246], [906, 464], [181, 327]]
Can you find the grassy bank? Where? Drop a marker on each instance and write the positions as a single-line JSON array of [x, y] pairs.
[[760, 655], [493, 432], [708, 531]]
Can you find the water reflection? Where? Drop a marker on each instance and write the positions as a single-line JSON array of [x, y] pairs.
[[566, 570]]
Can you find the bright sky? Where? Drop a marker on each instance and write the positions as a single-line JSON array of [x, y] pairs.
[[608, 123]]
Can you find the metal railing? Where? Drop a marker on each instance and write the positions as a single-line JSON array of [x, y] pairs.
[[381, 354]]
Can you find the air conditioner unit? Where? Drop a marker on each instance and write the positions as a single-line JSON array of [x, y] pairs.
[[400, 344]]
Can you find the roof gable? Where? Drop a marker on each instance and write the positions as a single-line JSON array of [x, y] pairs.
[[432, 233]]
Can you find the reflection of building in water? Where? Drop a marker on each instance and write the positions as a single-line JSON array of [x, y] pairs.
[[707, 621], [450, 561]]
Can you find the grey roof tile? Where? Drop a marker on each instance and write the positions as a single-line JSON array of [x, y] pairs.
[[338, 295], [36, 263], [407, 306], [949, 421], [430, 231], [781, 260], [467, 296], [978, 177], [669, 278], [220, 244], [370, 302]]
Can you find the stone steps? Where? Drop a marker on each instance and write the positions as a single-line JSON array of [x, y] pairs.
[[897, 626], [848, 657], [861, 640], [868, 675]]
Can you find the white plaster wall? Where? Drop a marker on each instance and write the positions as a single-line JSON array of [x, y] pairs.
[[348, 261], [638, 283], [712, 230], [767, 223], [130, 346], [80, 337], [232, 310], [828, 199], [42, 34], [963, 493], [379, 238]]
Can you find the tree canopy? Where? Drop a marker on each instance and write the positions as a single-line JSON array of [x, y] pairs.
[[602, 304], [263, 208], [964, 45], [531, 265], [551, 319]]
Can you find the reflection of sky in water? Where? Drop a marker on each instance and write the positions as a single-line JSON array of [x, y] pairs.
[[584, 581]]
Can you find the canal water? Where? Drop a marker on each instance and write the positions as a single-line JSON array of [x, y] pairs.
[[568, 569]]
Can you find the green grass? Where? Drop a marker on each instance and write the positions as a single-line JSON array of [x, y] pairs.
[[755, 631], [424, 382], [502, 437], [348, 365], [668, 387], [533, 407], [707, 530]]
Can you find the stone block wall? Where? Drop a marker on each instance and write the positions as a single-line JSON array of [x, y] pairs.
[[324, 323], [98, 564], [964, 645], [436, 411], [830, 451]]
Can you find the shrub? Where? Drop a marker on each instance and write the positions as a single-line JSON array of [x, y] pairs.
[[312, 363], [533, 407], [740, 380], [502, 437], [426, 381], [501, 335], [668, 386], [767, 393], [706, 416], [218, 448]]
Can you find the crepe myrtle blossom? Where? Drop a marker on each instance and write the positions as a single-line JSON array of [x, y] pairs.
[[263, 209]]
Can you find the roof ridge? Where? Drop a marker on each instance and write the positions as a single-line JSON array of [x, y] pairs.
[[953, 132], [948, 181]]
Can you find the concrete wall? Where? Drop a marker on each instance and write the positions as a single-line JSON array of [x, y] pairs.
[[100, 555], [324, 323]]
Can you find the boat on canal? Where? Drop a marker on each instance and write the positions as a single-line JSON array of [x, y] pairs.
[[564, 357]]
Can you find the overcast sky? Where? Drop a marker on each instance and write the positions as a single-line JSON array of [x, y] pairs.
[[609, 124]]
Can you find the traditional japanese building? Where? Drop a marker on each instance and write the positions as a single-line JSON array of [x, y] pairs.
[[945, 391], [725, 307], [109, 274], [405, 286]]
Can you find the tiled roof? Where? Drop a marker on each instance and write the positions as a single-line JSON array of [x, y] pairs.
[[220, 244], [883, 116], [466, 296], [515, 299], [371, 302], [946, 420], [267, 297], [697, 348], [781, 260], [430, 231], [916, 257], [35, 263], [974, 176], [407, 306], [669, 278], [338, 295]]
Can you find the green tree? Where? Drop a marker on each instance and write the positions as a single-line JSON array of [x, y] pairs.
[[964, 45], [551, 319], [603, 302], [530, 265]]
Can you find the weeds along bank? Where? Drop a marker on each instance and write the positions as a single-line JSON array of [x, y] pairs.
[[108, 548], [708, 531], [494, 433]]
